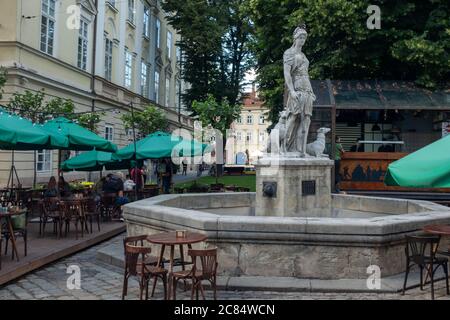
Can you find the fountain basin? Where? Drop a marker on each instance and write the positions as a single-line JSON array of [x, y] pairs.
[[359, 232]]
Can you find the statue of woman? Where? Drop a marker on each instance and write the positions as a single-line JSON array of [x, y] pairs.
[[300, 94]]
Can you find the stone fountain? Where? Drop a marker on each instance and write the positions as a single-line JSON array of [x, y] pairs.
[[293, 226]]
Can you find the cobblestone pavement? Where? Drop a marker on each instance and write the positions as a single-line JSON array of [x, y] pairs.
[[103, 281]]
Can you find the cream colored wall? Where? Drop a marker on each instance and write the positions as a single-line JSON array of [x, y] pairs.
[[255, 147], [59, 76]]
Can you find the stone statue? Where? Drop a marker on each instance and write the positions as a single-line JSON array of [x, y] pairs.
[[300, 99]]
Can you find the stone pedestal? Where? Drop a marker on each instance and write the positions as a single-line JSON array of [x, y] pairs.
[[293, 187]]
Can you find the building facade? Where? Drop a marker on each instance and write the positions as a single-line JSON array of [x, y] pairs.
[[101, 54], [250, 136]]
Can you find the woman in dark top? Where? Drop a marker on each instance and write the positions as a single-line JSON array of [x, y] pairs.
[[64, 188], [52, 190]]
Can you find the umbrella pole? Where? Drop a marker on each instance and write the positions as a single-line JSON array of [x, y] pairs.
[[12, 173], [134, 154]]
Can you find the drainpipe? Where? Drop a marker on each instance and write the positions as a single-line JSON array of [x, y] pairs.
[[94, 53]]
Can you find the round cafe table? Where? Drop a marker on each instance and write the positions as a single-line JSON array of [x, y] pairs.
[[438, 229], [171, 239]]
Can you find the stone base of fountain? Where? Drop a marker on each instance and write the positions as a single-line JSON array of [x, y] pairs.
[[360, 232], [288, 186]]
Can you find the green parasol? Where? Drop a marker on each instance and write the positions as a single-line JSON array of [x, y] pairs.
[[94, 161], [160, 145], [428, 167], [17, 133], [79, 138]]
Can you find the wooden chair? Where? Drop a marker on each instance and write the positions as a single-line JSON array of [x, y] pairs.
[[206, 270], [19, 231], [135, 266], [108, 205], [51, 212], [421, 251], [91, 211], [73, 212]]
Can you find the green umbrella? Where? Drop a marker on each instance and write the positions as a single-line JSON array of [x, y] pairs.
[[161, 145], [79, 138], [428, 167], [94, 161], [17, 133]]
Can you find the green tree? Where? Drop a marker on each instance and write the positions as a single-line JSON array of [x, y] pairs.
[[32, 105], [147, 121], [3, 74], [215, 37], [412, 44], [220, 115]]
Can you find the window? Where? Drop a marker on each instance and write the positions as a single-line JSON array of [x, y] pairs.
[[261, 119], [262, 136], [128, 68], [157, 86], [249, 119], [239, 120], [108, 59], [167, 92], [169, 44], [239, 136], [82, 44], [144, 77], [109, 132], [43, 160], [158, 33], [249, 137], [146, 22], [131, 11], [48, 26]]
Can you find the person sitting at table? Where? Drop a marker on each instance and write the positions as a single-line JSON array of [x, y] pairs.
[[129, 184], [52, 190], [64, 187], [98, 189]]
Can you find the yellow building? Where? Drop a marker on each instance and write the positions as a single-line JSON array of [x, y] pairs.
[[250, 136], [101, 54]]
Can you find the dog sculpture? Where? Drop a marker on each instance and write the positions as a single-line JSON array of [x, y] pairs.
[[317, 147], [281, 128]]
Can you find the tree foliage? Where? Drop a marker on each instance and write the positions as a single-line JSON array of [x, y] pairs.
[[412, 44], [3, 74], [33, 106], [215, 37], [147, 121], [219, 115]]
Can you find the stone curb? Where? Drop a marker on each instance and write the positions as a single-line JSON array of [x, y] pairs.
[[113, 255]]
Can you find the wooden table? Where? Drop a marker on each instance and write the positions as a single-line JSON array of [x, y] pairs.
[[8, 217], [170, 239], [439, 229]]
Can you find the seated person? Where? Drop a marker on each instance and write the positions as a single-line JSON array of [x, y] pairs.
[[52, 190], [358, 147], [64, 188], [129, 184]]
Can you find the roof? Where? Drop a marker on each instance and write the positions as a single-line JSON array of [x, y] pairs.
[[388, 95]]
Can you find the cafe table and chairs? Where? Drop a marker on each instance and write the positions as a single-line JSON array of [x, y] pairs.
[[174, 239], [14, 224]]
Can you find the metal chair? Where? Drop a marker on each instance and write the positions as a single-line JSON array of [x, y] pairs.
[[421, 251]]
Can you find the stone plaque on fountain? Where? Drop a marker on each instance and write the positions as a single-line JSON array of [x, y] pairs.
[[294, 178]]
